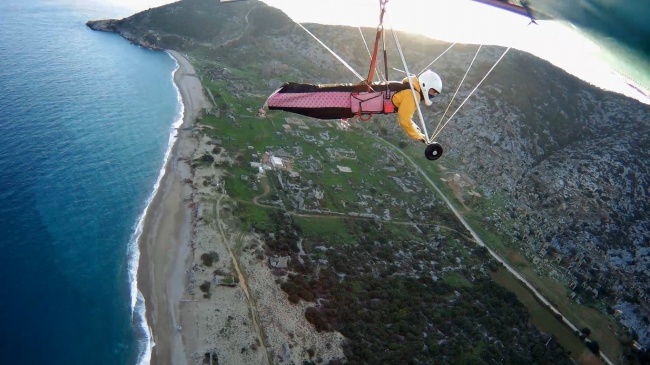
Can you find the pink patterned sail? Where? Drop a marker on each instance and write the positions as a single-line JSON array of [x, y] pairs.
[[333, 101]]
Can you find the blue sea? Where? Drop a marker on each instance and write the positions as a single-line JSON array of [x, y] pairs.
[[86, 121]]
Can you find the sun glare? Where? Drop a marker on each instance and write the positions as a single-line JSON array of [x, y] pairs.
[[466, 21], [462, 21]]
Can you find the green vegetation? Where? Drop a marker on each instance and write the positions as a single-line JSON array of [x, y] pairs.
[[394, 318], [455, 280], [251, 217], [387, 270], [205, 288], [332, 230], [209, 258]]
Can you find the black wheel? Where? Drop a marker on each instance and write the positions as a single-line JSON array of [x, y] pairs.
[[433, 151]]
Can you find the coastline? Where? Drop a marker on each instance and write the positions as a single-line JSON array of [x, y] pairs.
[[244, 316], [164, 242]]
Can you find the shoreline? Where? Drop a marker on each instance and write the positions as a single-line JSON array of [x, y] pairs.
[[250, 322], [164, 242]]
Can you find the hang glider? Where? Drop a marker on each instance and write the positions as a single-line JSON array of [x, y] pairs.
[[514, 6], [362, 100], [521, 7]]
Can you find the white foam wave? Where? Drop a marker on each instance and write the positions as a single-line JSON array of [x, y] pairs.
[[138, 308], [146, 340]]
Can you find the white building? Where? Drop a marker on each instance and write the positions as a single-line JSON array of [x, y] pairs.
[[276, 162]]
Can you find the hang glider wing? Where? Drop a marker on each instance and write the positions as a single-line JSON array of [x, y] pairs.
[[521, 7]]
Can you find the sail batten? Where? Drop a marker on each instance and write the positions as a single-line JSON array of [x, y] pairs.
[[509, 5]]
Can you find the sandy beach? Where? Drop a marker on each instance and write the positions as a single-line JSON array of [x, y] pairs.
[[209, 291], [164, 247]]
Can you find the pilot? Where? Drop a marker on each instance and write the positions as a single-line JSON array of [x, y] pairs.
[[426, 86]]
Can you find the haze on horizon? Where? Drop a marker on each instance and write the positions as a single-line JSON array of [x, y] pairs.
[[462, 21], [466, 21]]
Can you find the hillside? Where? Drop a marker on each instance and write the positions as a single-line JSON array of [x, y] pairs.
[[556, 170]]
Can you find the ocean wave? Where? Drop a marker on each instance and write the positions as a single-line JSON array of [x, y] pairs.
[[138, 307]]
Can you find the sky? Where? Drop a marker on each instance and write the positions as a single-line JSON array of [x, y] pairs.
[[461, 21], [465, 21]]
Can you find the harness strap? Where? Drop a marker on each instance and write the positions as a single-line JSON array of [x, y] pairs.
[[378, 36], [369, 54], [365, 105]]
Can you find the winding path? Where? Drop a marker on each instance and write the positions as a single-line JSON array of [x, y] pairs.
[[494, 254], [242, 282]]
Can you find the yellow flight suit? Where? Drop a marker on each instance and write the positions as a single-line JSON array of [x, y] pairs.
[[405, 104]]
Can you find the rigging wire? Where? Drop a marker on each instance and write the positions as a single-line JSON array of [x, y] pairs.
[[470, 94], [378, 36], [408, 77], [432, 62], [435, 131], [438, 129], [332, 52]]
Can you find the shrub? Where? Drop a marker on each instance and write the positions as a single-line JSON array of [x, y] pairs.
[[209, 258], [205, 287], [207, 158], [316, 318]]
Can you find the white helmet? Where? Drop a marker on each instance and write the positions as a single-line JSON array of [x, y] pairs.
[[429, 80]]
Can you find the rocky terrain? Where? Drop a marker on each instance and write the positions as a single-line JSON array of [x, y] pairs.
[[571, 165], [564, 165]]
